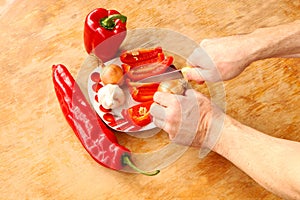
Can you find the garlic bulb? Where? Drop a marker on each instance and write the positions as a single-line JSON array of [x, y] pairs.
[[111, 96], [173, 86]]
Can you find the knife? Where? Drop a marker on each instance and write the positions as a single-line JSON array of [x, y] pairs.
[[176, 74]]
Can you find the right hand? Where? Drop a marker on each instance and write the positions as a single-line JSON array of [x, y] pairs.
[[230, 55], [191, 119]]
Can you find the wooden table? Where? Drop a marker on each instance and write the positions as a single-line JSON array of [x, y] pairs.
[[41, 157]]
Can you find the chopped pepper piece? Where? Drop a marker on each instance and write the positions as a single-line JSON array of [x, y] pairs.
[[142, 92], [139, 114]]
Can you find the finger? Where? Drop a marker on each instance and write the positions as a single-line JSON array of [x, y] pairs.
[[166, 127], [159, 123], [199, 58], [193, 74], [157, 111], [198, 97], [163, 98], [190, 93], [204, 42], [194, 93], [193, 58], [202, 61]]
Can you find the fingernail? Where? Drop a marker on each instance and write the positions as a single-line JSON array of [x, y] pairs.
[[156, 94], [185, 72]]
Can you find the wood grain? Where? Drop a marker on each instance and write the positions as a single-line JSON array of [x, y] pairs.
[[40, 156]]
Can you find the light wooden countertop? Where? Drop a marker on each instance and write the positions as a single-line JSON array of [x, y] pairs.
[[40, 156]]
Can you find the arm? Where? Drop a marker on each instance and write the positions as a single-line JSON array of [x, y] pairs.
[[232, 54], [278, 41], [272, 162]]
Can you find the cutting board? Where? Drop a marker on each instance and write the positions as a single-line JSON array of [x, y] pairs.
[[41, 158]]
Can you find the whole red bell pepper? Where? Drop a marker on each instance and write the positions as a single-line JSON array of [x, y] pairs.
[[104, 31]]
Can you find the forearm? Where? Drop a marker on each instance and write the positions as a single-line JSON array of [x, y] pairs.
[[278, 41], [274, 163]]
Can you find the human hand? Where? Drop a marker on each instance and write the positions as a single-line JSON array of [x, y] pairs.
[[229, 56], [187, 119]]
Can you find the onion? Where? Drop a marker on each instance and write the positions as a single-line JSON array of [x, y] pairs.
[[112, 74], [173, 86]]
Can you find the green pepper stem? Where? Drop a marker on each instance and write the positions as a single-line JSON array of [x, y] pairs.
[[126, 160], [109, 22]]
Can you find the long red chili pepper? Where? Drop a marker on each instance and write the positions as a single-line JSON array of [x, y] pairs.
[[98, 140]]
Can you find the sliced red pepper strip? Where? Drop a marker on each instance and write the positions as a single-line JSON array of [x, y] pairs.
[[126, 68], [139, 56], [142, 92], [160, 57], [139, 114], [144, 71], [142, 97], [98, 140]]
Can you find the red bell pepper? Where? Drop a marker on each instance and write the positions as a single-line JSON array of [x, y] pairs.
[[140, 114], [98, 140], [104, 31]]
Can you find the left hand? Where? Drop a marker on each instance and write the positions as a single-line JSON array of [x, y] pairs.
[[186, 119]]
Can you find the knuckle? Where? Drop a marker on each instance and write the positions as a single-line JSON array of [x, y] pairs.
[[204, 42], [168, 120]]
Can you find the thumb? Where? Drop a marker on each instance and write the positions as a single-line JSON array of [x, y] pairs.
[[193, 74]]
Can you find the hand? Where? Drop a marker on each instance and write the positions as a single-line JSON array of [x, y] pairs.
[[187, 119], [230, 56]]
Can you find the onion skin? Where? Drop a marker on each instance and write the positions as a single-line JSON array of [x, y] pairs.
[[112, 74], [173, 86]]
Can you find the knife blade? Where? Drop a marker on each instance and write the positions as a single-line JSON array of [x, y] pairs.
[[176, 74]]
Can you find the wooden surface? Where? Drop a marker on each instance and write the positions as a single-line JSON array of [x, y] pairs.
[[41, 158]]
